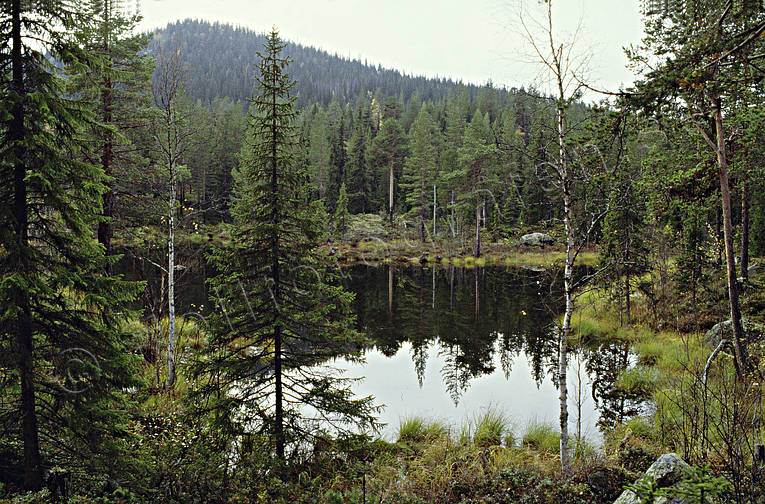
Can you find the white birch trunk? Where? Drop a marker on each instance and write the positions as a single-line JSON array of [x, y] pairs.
[[171, 284]]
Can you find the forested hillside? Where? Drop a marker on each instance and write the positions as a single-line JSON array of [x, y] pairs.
[[374, 130], [221, 62]]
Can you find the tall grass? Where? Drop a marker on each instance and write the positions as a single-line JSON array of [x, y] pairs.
[[541, 437], [491, 428], [417, 429], [545, 438]]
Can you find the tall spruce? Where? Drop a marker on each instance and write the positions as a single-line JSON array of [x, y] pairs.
[[420, 171], [476, 157], [117, 82], [58, 308], [282, 313]]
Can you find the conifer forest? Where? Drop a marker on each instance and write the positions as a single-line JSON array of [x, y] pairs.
[[239, 269]]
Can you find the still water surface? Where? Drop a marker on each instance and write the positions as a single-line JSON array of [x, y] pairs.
[[446, 343]]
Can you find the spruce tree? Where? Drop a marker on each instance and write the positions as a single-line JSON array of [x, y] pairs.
[[282, 312], [319, 153], [454, 129], [58, 308], [420, 170], [117, 83], [476, 157], [359, 183], [341, 213]]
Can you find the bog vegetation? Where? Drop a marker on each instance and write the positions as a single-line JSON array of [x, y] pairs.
[[275, 165]]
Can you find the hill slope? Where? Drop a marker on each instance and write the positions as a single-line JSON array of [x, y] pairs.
[[221, 59]]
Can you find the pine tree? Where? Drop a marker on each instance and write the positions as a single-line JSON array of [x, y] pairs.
[[706, 68], [57, 305], [283, 313], [389, 149]]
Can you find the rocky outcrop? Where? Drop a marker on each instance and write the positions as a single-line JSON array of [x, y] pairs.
[[667, 472], [724, 330], [537, 239]]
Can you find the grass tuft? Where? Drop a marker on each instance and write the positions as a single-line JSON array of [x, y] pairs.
[[542, 437], [491, 428], [417, 430]]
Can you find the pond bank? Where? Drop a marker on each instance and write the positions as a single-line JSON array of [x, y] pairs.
[[415, 252]]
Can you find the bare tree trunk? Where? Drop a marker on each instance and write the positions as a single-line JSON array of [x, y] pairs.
[[567, 276], [171, 143], [565, 331], [434, 211], [718, 232], [452, 216], [390, 293], [433, 301], [422, 205], [739, 344], [451, 287], [477, 294]]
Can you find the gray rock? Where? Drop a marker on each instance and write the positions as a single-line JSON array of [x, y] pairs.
[[667, 471], [537, 239], [724, 330]]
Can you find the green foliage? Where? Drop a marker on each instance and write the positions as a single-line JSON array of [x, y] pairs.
[[283, 313], [341, 213], [542, 437], [417, 429], [387, 155], [641, 380], [420, 170], [491, 428], [698, 486], [60, 323]]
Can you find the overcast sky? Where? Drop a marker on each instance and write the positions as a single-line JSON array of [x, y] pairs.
[[474, 41]]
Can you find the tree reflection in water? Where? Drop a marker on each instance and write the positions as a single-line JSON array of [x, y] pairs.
[[476, 318]]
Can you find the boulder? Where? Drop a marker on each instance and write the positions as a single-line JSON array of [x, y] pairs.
[[667, 472], [537, 239], [724, 330]]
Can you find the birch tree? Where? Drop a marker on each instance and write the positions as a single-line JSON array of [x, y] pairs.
[[562, 66], [171, 137]]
